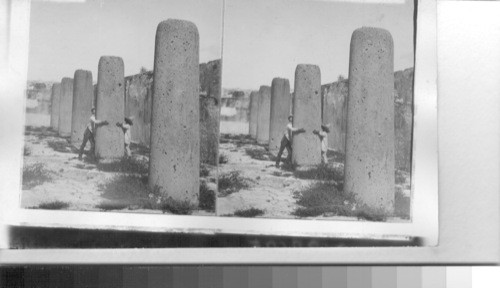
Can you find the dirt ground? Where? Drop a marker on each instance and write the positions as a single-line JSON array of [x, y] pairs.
[[76, 182], [272, 190]]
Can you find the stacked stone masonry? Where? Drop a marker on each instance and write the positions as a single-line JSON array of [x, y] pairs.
[[335, 111]]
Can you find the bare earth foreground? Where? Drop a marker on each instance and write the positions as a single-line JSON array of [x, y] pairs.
[[269, 192], [61, 181]]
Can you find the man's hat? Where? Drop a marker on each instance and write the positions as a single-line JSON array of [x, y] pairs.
[[129, 120], [325, 127]]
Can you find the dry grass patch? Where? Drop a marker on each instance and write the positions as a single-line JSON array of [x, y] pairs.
[[34, 175], [125, 165], [61, 146], [324, 199], [252, 212], [322, 172], [232, 182], [54, 205]]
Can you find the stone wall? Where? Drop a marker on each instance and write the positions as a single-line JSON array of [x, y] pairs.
[[403, 118], [38, 95], [334, 99], [138, 96], [235, 105], [210, 96], [138, 101]]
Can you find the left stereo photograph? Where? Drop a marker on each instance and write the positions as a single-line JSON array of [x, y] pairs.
[[122, 106]]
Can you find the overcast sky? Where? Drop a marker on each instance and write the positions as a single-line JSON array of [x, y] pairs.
[[264, 39], [69, 36]]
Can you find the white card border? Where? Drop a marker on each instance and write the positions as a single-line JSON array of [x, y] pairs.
[[424, 181]]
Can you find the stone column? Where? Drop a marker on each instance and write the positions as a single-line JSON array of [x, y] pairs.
[[65, 107], [83, 96], [307, 114], [369, 165], [175, 135], [111, 107], [94, 102], [264, 115], [54, 108], [254, 111], [209, 113], [280, 110]]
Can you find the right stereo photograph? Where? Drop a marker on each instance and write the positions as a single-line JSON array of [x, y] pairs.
[[316, 114]]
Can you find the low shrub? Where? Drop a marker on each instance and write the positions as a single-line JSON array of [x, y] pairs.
[[237, 139], [323, 172], [401, 205], [335, 156], [260, 154], [108, 206], [123, 187], [223, 158], [27, 151], [134, 190], [176, 207], [60, 146], [34, 175], [323, 198], [204, 171], [231, 182], [252, 212], [55, 205], [125, 165], [206, 198], [400, 177]]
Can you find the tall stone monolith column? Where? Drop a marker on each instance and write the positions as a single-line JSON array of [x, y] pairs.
[[83, 96], [280, 110], [110, 107], [175, 137], [307, 114], [65, 107], [54, 108], [264, 115], [94, 101], [254, 114], [369, 164]]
